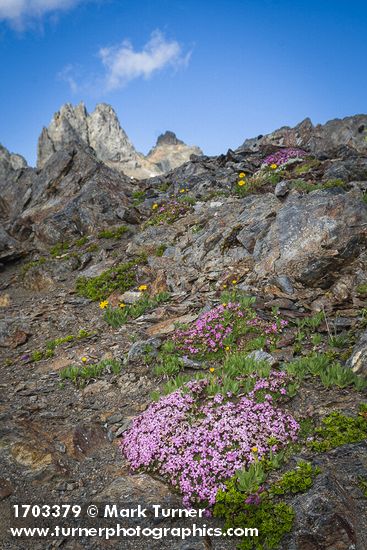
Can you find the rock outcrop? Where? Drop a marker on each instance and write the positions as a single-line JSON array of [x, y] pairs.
[[73, 195], [10, 162], [101, 131], [348, 133], [331, 515]]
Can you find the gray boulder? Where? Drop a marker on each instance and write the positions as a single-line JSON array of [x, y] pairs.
[[313, 236], [141, 348], [332, 514], [282, 188], [358, 360]]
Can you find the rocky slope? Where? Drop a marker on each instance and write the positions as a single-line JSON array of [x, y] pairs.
[[107, 285], [101, 131]]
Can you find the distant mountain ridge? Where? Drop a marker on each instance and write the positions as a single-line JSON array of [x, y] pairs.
[[101, 130]]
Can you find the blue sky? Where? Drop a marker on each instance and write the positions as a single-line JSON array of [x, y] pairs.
[[214, 72]]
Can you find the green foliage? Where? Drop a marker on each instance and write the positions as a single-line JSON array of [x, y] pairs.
[[336, 182], [275, 460], [82, 241], [312, 364], [187, 199], [116, 317], [84, 334], [37, 355], [267, 512], [138, 197], [179, 381], [316, 339], [59, 248], [249, 480], [114, 233], [306, 166], [362, 290], [339, 340], [324, 366], [197, 228], [93, 247], [79, 375], [51, 345], [170, 211], [122, 278], [236, 296], [306, 186], [234, 375], [363, 319], [160, 250], [263, 178], [170, 367], [272, 519], [256, 343], [362, 483], [312, 322], [214, 195], [163, 187], [307, 427], [294, 481], [169, 362], [239, 364], [29, 265], [337, 429], [336, 375]]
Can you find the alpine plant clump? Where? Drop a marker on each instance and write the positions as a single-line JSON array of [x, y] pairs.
[[210, 331], [220, 327], [197, 444], [283, 156]]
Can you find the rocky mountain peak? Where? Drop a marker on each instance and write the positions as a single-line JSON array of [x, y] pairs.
[[168, 138], [10, 161], [101, 130], [170, 152]]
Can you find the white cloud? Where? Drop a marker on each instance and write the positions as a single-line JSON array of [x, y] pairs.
[[17, 12], [67, 74], [124, 64]]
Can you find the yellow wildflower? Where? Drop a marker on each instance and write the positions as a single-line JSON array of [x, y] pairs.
[[142, 288], [242, 175], [84, 359], [155, 206], [254, 449], [227, 348], [182, 190], [224, 286], [234, 282], [212, 369], [224, 305], [241, 183], [273, 166], [122, 305], [103, 304]]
